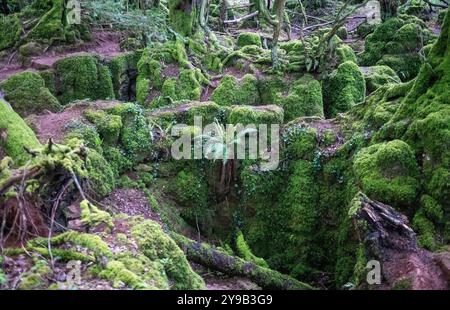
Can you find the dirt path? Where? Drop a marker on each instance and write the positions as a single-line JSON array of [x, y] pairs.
[[104, 43]]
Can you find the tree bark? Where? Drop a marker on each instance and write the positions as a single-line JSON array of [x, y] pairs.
[[4, 8], [279, 8], [215, 259]]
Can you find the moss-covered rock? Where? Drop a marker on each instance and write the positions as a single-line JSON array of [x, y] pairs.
[[395, 43], [232, 91], [417, 8], [344, 88], [108, 126], [304, 99], [81, 77], [248, 38], [11, 31], [345, 53], [100, 174], [123, 68], [185, 113], [135, 136], [27, 94], [165, 76], [388, 172], [378, 76], [15, 135], [270, 114]]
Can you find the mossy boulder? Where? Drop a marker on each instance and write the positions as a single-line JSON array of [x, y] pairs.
[[304, 99], [15, 135], [27, 94], [232, 91], [81, 77], [388, 172], [11, 31], [186, 112], [417, 8], [108, 126], [244, 114], [378, 76], [396, 43], [345, 53], [344, 88], [123, 70], [100, 174], [135, 137], [165, 76], [248, 38]]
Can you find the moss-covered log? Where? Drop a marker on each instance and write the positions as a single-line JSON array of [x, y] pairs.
[[216, 259]]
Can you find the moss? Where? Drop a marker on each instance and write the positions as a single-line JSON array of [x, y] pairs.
[[270, 87], [186, 87], [270, 114], [109, 126], [417, 8], [156, 245], [135, 272], [378, 76], [91, 216], [244, 251], [36, 277], [395, 43], [117, 159], [441, 16], [365, 29], [93, 243], [121, 68], [82, 77], [50, 26], [183, 17], [87, 133], [342, 33], [11, 31], [18, 135], [233, 91], [299, 142], [345, 53], [49, 79], [403, 284], [190, 189], [248, 38], [344, 88], [100, 175], [388, 172], [135, 136], [304, 99], [425, 229], [27, 94], [31, 49]]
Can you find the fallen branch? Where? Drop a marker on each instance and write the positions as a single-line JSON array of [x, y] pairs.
[[240, 19], [215, 259]]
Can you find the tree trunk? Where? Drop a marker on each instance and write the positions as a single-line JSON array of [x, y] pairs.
[[279, 9], [4, 7], [183, 16], [215, 259]]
